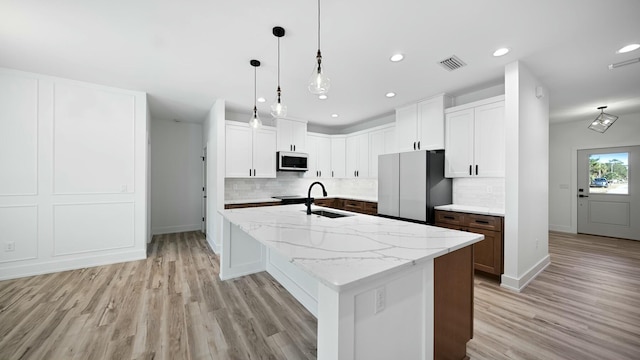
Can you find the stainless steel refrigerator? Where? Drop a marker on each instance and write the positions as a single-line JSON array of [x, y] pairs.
[[410, 184]]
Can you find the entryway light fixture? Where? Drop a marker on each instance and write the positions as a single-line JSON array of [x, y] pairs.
[[319, 82], [603, 121], [277, 109], [255, 121]]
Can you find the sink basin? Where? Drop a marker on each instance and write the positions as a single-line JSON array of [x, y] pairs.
[[329, 214]]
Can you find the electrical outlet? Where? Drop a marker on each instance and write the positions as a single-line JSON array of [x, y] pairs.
[[10, 246], [380, 298]]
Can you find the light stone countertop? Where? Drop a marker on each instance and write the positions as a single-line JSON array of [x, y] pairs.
[[343, 252], [472, 209]]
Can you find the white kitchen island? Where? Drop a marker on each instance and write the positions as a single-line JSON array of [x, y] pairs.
[[373, 283]]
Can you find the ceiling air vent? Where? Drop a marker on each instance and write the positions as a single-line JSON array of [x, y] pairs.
[[452, 63]]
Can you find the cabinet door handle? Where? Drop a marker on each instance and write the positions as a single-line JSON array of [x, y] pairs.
[[482, 222], [449, 217], [476, 169], [320, 173], [249, 172], [470, 167], [331, 173], [418, 145], [254, 172], [358, 173], [414, 145], [294, 148]]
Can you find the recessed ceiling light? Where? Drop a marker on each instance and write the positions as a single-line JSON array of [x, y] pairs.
[[261, 99], [500, 52], [396, 57], [628, 48], [334, 115], [390, 94], [322, 97]]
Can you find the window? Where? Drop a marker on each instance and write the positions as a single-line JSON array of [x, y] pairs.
[[609, 173]]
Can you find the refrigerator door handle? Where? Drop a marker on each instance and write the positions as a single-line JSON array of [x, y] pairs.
[[476, 169]]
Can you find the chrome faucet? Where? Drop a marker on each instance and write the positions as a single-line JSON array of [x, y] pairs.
[[324, 193]]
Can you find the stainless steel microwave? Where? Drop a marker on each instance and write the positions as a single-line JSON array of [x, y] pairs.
[[292, 161]]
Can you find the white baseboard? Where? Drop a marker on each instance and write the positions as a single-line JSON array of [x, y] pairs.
[[212, 243], [518, 284], [19, 271], [561, 228], [160, 230]]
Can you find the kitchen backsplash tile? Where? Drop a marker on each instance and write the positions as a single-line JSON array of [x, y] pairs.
[[485, 192], [291, 183]]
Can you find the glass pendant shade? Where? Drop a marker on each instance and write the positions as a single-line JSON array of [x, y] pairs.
[[255, 121], [319, 83], [603, 121], [277, 109]]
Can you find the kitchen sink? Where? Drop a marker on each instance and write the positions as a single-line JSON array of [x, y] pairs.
[[329, 214]]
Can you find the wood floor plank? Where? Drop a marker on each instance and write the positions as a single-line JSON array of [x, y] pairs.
[[173, 305]]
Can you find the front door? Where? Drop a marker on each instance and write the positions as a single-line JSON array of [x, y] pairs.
[[609, 192]]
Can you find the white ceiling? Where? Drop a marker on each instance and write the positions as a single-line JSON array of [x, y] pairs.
[[186, 54]]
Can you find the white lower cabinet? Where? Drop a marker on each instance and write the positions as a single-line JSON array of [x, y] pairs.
[[249, 153], [475, 139], [319, 161]]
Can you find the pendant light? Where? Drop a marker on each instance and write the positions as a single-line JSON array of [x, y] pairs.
[[603, 121], [319, 83], [255, 121], [277, 109]]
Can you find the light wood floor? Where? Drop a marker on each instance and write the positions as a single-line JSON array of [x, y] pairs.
[[585, 305]]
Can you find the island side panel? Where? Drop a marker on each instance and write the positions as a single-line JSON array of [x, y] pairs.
[[389, 318], [453, 301], [240, 254]]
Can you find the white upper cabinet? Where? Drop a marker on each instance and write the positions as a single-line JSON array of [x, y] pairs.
[[292, 135], [319, 162], [248, 152], [421, 126], [475, 139], [380, 142], [357, 151], [338, 156]]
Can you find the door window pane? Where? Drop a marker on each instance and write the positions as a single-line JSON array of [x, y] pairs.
[[609, 173]]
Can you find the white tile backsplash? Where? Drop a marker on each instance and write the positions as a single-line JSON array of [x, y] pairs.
[[485, 192], [291, 183]]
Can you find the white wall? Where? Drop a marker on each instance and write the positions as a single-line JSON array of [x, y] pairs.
[[73, 187], [526, 250], [176, 176], [214, 140], [565, 140]]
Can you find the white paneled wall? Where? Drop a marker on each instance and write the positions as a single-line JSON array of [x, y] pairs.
[[73, 174]]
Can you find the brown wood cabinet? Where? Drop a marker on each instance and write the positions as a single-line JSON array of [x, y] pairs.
[[359, 206], [453, 304], [488, 253], [246, 205]]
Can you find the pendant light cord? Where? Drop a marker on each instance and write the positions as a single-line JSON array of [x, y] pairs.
[[318, 24], [255, 88]]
